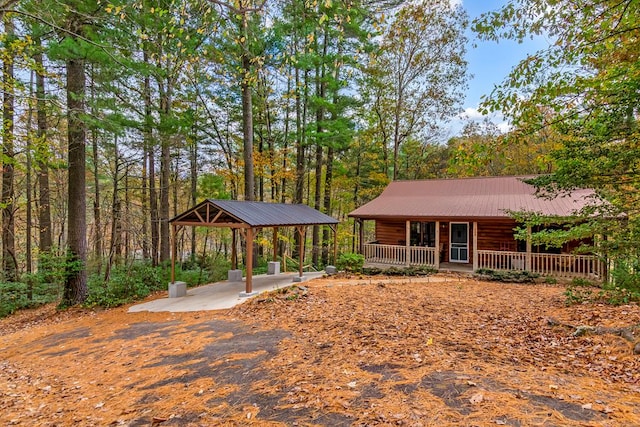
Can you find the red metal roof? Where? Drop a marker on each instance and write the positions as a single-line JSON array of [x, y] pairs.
[[487, 197]]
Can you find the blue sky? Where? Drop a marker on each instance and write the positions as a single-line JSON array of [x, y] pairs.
[[490, 62]]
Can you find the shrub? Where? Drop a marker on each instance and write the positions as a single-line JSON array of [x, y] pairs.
[[626, 275], [506, 276], [400, 271], [578, 294], [350, 262], [28, 293], [126, 284]]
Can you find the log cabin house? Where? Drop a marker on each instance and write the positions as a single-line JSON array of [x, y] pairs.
[[465, 225]]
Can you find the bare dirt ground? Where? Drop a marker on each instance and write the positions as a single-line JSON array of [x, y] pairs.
[[337, 352]]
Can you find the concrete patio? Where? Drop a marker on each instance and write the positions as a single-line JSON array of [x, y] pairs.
[[221, 295]]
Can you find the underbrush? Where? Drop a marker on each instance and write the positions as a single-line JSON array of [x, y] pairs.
[[622, 288], [29, 293], [399, 271], [581, 291], [125, 284], [134, 282], [506, 276]]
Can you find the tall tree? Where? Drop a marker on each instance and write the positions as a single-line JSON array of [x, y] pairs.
[[8, 193], [420, 72], [584, 88], [42, 152], [75, 289]]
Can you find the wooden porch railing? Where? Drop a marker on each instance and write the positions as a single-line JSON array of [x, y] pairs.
[[559, 265], [397, 255]]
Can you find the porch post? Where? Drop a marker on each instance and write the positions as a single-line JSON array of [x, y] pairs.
[[361, 235], [407, 242], [437, 254], [475, 246], [528, 258]]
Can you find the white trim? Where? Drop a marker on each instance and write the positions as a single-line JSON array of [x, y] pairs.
[[461, 261]]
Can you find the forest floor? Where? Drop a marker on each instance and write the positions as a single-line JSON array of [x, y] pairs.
[[337, 351]]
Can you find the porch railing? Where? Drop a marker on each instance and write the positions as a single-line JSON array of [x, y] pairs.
[[559, 265], [397, 255]]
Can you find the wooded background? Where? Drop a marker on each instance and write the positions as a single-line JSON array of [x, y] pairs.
[[119, 115]]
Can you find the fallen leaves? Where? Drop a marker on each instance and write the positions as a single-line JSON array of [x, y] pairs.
[[361, 352]]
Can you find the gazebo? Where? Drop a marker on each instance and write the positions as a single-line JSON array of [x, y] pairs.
[[248, 218]]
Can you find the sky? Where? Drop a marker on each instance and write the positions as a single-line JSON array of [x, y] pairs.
[[489, 62]]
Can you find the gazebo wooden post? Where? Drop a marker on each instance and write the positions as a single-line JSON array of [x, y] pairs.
[[335, 242], [301, 231], [174, 252], [234, 250], [275, 244], [361, 235], [248, 281]]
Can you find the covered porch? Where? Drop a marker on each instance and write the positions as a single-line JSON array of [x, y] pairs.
[[469, 246]]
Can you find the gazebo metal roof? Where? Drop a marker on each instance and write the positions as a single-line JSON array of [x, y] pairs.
[[245, 214], [247, 217]]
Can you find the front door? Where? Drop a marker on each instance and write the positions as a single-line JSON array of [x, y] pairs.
[[459, 242]]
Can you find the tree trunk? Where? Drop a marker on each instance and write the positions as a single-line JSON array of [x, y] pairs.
[[114, 249], [127, 215], [149, 147], [193, 160], [285, 145], [8, 238], [44, 209], [75, 290], [300, 157], [328, 182], [145, 205], [97, 217], [320, 93], [29, 179], [165, 172], [247, 113]]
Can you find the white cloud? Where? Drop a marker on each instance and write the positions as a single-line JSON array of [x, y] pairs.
[[474, 115], [471, 113]]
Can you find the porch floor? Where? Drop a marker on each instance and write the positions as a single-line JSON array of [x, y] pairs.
[[452, 267]]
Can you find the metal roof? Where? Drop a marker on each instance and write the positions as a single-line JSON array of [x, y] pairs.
[[254, 214], [487, 197]]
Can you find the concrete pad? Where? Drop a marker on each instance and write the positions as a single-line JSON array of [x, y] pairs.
[[234, 275], [273, 267], [221, 295], [177, 289]]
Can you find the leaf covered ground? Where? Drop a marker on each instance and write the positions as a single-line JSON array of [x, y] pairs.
[[439, 351]]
